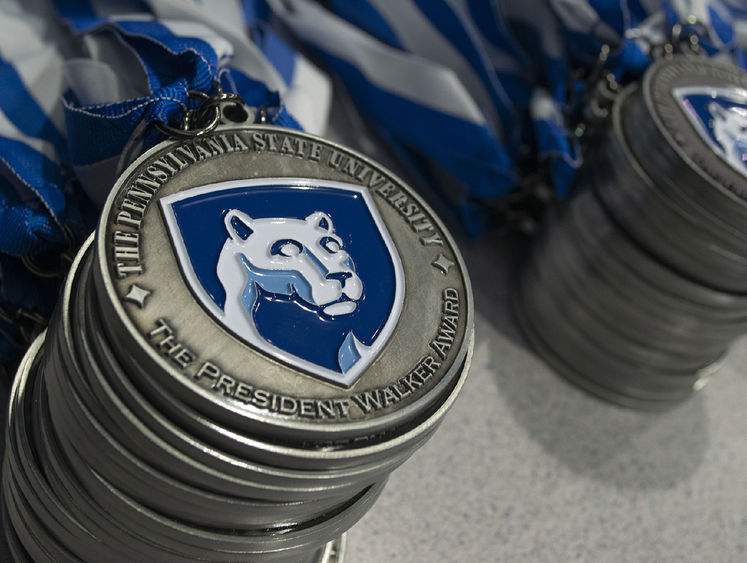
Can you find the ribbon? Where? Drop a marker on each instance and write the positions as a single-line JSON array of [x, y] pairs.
[[474, 96], [78, 81]]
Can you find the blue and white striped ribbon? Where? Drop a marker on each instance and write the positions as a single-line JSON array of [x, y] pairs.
[[473, 94], [75, 84], [176, 46], [33, 178]]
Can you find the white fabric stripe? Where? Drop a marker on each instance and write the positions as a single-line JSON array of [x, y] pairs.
[[182, 28], [38, 63], [650, 6], [414, 78], [420, 37], [309, 96], [740, 28], [109, 49], [577, 15], [8, 130], [542, 106], [94, 82], [130, 17], [247, 56], [229, 12]]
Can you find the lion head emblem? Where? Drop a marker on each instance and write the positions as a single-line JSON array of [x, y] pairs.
[[730, 131], [300, 259], [303, 271]]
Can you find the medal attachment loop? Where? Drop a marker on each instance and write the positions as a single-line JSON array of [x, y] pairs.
[[211, 112], [684, 39]]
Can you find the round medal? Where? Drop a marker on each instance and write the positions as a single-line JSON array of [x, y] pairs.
[[285, 284], [265, 326], [637, 286], [698, 109]]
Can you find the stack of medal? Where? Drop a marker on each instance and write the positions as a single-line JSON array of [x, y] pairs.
[[639, 284], [264, 327]]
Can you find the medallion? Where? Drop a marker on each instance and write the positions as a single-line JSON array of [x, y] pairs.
[[285, 280]]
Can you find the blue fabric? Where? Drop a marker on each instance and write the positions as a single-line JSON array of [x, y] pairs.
[[40, 202], [536, 43], [174, 65], [516, 81], [453, 28], [279, 53], [363, 15], [515, 49], [564, 156], [79, 14], [464, 149], [19, 106]]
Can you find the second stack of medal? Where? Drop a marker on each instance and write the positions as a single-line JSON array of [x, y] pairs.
[[637, 285], [151, 425]]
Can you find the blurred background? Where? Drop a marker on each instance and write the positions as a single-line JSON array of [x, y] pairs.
[[492, 110]]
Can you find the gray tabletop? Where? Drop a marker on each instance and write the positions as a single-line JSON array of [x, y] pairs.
[[528, 468]]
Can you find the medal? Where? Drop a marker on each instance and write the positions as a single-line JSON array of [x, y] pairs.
[[636, 289], [684, 126], [264, 325]]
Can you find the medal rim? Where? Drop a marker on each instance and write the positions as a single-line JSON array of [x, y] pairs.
[[241, 417]]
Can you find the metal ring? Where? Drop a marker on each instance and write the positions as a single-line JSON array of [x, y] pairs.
[[191, 133], [186, 130], [221, 100], [676, 38]]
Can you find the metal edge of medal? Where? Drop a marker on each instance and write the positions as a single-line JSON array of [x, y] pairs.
[[390, 461], [533, 322], [46, 545], [710, 251], [278, 484], [68, 350]]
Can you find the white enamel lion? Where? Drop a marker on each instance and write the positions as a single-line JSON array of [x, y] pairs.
[[284, 256], [730, 129]]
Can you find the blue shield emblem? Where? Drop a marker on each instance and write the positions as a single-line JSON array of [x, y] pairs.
[[303, 270], [719, 115]]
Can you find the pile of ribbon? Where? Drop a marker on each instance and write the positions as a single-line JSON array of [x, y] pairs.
[[474, 97]]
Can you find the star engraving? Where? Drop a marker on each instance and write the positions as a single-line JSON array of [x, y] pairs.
[[137, 295], [442, 263]]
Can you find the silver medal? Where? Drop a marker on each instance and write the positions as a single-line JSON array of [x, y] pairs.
[[265, 325], [636, 287]]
